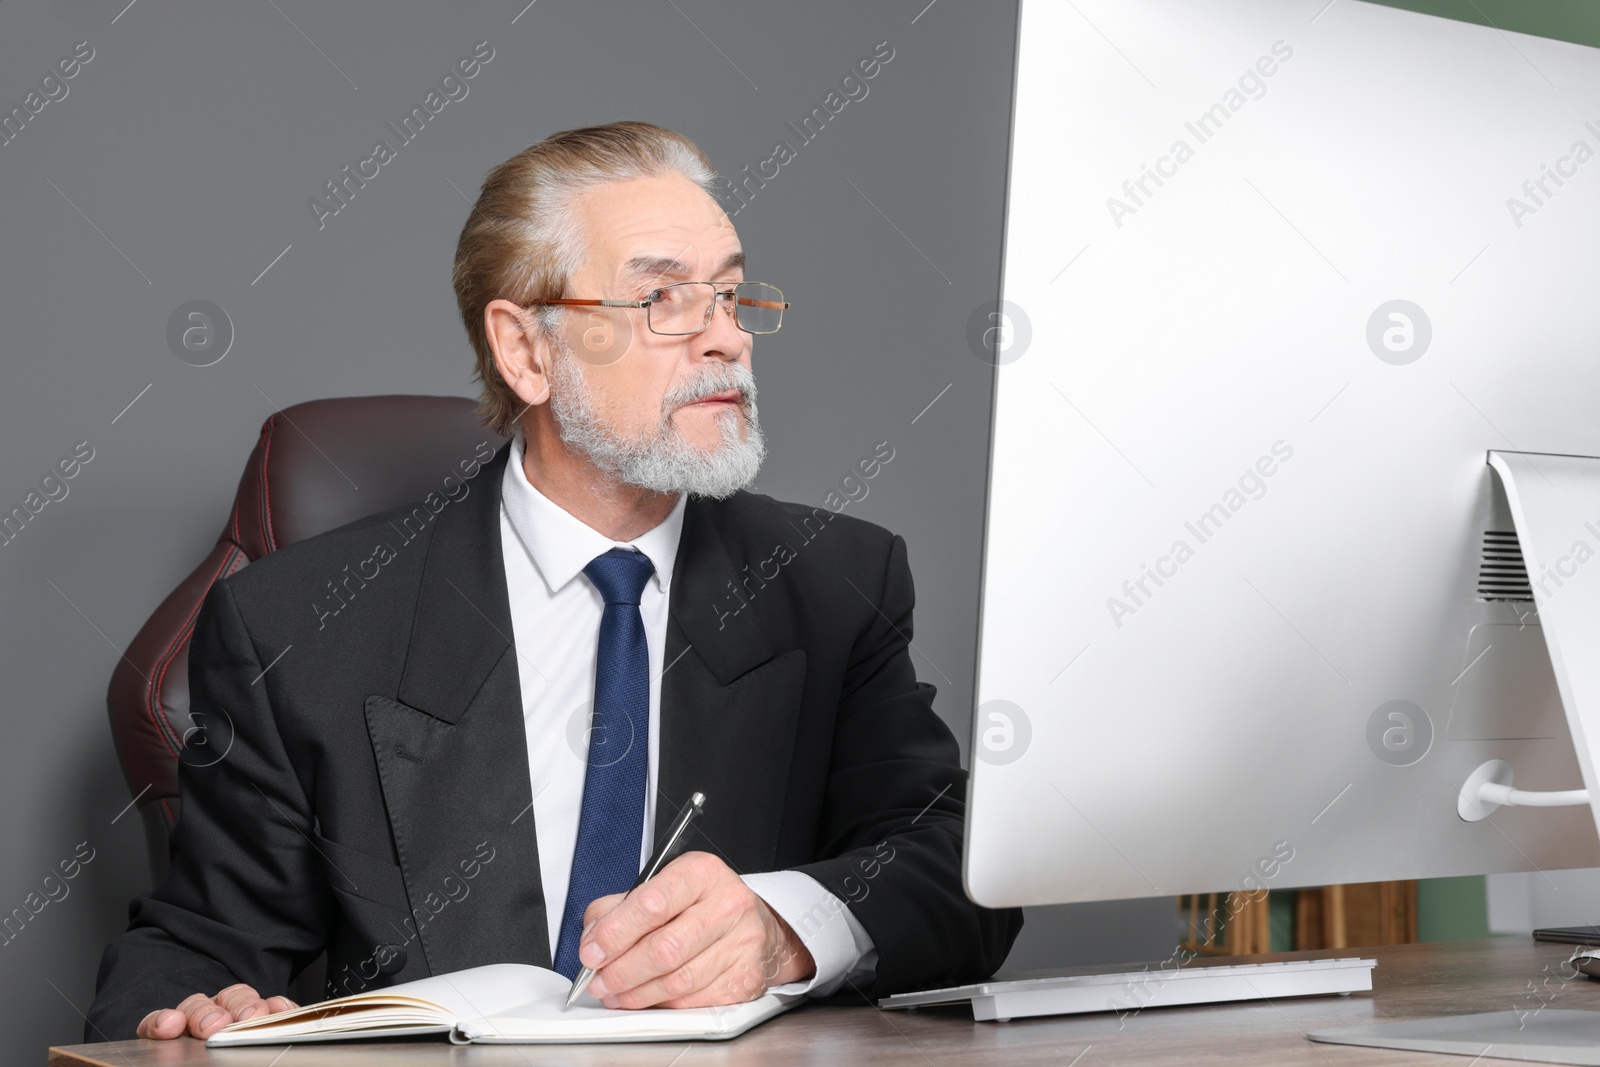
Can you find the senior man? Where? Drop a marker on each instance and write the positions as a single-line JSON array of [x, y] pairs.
[[471, 765]]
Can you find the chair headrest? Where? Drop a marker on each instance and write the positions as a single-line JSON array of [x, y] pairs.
[[316, 466]]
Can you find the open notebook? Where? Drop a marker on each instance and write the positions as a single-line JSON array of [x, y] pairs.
[[503, 1003]]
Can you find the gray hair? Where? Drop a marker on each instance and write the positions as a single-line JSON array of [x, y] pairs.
[[523, 241]]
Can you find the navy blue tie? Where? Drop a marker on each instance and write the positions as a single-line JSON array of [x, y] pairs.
[[611, 826]]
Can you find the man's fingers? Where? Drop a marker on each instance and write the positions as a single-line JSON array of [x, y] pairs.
[[679, 884], [205, 1017], [735, 985], [599, 907], [241, 1001], [719, 976], [680, 958], [201, 1016], [163, 1024], [203, 1024], [705, 980]]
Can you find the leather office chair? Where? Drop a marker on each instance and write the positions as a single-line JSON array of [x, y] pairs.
[[317, 466]]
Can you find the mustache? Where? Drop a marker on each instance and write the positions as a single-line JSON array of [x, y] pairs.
[[710, 383]]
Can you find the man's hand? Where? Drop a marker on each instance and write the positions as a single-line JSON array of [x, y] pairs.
[[201, 1016], [691, 937]]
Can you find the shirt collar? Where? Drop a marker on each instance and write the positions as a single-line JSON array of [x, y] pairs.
[[561, 544]]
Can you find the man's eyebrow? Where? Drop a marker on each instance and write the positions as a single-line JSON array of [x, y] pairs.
[[653, 267]]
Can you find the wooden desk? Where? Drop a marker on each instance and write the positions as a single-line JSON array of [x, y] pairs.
[[1410, 981]]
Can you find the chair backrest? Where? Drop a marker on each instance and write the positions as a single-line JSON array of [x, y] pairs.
[[317, 466]]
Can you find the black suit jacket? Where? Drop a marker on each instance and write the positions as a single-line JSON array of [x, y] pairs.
[[363, 784]]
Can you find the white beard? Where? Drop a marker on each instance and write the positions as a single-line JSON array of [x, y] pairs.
[[664, 461]]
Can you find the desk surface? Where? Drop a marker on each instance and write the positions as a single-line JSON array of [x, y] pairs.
[[1409, 981]]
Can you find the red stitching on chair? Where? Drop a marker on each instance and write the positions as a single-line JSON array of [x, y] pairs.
[[266, 489], [152, 693], [172, 820]]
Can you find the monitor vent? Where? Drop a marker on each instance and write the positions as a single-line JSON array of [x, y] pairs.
[[1502, 575]]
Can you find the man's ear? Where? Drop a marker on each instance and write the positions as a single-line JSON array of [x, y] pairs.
[[521, 351]]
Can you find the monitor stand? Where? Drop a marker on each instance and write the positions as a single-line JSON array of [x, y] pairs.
[[1555, 505], [1551, 1035]]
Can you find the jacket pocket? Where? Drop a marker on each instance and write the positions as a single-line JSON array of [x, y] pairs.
[[357, 874]]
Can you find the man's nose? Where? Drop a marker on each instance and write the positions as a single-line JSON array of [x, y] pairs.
[[722, 338]]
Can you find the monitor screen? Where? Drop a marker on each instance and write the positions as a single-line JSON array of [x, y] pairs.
[[1276, 280]]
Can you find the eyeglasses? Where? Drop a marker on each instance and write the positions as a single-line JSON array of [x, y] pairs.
[[685, 308]]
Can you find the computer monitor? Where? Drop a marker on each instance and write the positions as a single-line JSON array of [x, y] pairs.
[[1278, 279]]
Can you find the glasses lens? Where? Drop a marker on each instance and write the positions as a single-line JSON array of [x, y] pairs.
[[760, 307], [681, 308]]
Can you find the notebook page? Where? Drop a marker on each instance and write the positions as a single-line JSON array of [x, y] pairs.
[[489, 990], [546, 1019], [426, 1004]]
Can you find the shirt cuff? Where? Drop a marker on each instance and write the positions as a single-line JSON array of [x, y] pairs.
[[834, 937]]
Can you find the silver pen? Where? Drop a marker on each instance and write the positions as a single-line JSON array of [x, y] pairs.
[[690, 811]]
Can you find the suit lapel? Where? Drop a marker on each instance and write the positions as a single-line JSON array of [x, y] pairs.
[[452, 753], [729, 707]]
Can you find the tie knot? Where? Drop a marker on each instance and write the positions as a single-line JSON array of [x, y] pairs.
[[620, 575]]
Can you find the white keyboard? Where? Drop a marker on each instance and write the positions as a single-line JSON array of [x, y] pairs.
[[1156, 985]]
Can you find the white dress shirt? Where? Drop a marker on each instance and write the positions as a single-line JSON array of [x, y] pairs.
[[555, 617]]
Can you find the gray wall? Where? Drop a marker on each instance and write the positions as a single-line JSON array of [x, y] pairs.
[[179, 166]]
